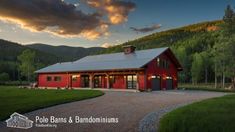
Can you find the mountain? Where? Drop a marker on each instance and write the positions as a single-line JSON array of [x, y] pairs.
[[169, 37], [66, 53], [8, 58], [10, 50]]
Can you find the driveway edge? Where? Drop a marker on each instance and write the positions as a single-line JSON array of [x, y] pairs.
[[151, 121]]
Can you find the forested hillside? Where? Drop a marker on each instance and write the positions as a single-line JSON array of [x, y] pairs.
[[66, 53], [9, 51], [168, 38]]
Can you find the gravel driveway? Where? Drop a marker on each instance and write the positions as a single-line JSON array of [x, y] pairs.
[[129, 107]]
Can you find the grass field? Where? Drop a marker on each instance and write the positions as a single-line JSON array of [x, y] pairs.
[[13, 99], [212, 115], [206, 87]]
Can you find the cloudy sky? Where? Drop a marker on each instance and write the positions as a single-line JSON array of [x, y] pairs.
[[89, 23]]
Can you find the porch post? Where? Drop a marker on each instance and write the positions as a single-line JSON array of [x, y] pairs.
[[91, 80], [68, 80], [145, 80], [108, 86], [137, 81]]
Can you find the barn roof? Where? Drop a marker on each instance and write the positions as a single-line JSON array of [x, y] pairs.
[[114, 61]]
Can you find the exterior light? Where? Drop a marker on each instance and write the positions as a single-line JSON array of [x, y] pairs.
[[153, 76], [168, 77]]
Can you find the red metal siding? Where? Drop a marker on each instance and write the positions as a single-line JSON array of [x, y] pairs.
[[104, 82], [42, 80], [154, 70], [76, 83], [120, 82], [141, 82]]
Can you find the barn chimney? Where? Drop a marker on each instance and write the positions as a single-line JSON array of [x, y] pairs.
[[128, 49]]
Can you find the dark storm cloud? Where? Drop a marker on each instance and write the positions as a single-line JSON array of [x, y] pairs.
[[146, 29], [54, 16]]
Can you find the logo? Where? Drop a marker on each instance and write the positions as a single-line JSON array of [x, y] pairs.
[[19, 121]]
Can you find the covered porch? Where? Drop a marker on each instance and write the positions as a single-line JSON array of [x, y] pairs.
[[134, 79]]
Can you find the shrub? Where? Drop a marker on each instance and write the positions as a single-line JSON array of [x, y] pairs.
[[4, 77]]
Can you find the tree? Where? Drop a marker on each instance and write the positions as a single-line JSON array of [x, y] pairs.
[[197, 68], [183, 58], [206, 63], [228, 34], [27, 63], [229, 19], [4, 77]]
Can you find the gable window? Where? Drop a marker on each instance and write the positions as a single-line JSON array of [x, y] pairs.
[[161, 63], [57, 78], [158, 62], [167, 64], [49, 78]]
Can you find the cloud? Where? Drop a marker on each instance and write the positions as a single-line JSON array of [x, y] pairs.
[[106, 45], [63, 19], [117, 11], [146, 29]]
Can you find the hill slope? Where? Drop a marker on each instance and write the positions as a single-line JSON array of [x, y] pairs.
[[10, 50], [167, 38], [8, 58], [66, 53]]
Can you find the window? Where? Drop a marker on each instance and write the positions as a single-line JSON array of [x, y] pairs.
[[158, 62], [131, 81], [163, 63], [74, 78], [167, 64], [112, 79], [57, 78], [49, 78]]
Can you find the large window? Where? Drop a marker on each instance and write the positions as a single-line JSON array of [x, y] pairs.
[[162, 63], [57, 78], [131, 81], [49, 78]]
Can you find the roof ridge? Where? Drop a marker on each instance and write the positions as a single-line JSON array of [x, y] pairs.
[[123, 52]]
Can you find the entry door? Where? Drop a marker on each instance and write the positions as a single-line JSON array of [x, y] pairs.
[[97, 82], [169, 83], [156, 83], [131, 81], [85, 81]]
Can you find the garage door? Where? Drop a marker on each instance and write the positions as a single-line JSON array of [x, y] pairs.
[[156, 83], [169, 84]]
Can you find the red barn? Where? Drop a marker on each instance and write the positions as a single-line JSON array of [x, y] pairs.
[[154, 69]]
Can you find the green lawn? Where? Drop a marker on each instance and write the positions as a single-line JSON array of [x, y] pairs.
[[206, 87], [212, 115], [13, 99]]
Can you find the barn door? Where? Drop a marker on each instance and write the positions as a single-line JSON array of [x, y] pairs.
[[169, 83], [156, 83]]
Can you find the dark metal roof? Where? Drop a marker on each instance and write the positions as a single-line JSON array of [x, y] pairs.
[[106, 62]]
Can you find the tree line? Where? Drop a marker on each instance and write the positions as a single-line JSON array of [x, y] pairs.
[[210, 56]]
